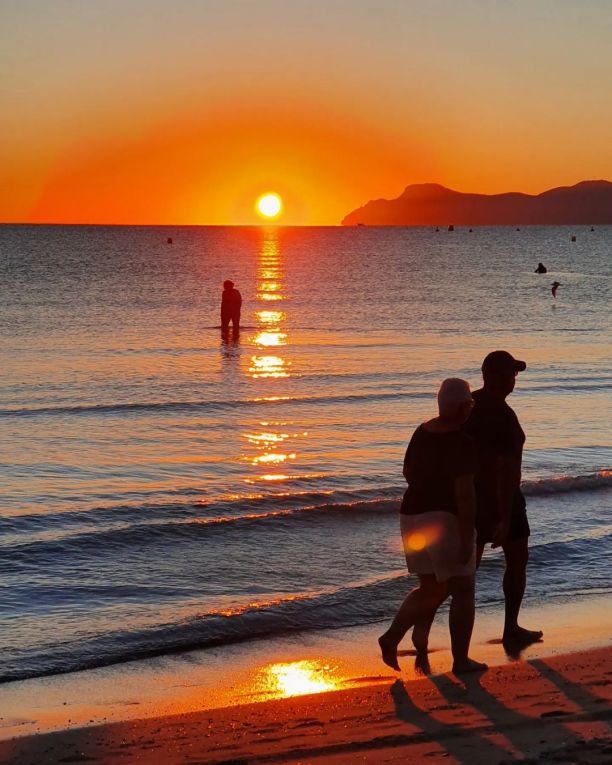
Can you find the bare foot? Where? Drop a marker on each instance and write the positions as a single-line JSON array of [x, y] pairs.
[[468, 665], [421, 663], [521, 635], [389, 653]]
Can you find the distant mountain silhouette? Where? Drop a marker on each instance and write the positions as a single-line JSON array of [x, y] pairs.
[[429, 204]]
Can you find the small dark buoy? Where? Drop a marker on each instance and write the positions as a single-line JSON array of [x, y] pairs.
[[573, 238], [518, 229], [451, 228], [169, 240], [471, 230]]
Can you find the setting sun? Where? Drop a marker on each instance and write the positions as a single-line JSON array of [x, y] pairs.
[[269, 205]]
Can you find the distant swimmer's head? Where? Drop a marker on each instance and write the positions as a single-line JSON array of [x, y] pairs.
[[228, 284], [499, 369], [455, 398]]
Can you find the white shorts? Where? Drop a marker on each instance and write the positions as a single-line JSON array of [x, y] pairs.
[[432, 544]]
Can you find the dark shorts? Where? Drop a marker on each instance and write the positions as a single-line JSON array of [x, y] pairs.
[[519, 527]]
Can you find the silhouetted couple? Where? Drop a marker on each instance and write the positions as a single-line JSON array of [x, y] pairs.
[[463, 470], [231, 303]]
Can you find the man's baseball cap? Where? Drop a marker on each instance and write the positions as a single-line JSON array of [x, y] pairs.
[[502, 362]]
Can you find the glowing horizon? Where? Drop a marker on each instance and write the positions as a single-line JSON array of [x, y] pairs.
[[328, 105]]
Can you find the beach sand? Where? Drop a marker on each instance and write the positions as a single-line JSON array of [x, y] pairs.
[[554, 709]]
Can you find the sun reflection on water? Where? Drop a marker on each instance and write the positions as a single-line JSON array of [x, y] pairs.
[[270, 368], [298, 678]]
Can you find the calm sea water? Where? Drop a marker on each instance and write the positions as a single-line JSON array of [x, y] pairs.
[[165, 489]]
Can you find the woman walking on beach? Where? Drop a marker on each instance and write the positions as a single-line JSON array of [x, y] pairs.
[[437, 524]]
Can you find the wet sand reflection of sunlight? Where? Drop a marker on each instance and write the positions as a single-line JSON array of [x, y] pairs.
[[299, 678]]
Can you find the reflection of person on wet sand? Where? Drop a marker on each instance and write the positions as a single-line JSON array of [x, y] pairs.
[[437, 523], [554, 286], [231, 302]]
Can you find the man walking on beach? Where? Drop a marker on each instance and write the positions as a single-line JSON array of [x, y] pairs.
[[501, 516]]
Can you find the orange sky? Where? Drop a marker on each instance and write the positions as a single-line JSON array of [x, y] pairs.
[[149, 112]]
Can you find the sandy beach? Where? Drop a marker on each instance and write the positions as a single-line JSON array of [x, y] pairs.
[[543, 710]]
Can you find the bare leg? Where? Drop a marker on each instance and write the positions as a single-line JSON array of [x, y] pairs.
[[422, 599], [422, 626], [461, 623], [515, 579]]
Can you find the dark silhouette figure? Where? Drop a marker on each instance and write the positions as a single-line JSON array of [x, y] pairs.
[[231, 302], [541, 269], [437, 522], [501, 517], [554, 286], [169, 240]]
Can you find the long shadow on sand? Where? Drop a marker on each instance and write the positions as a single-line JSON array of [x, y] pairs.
[[516, 727], [458, 741]]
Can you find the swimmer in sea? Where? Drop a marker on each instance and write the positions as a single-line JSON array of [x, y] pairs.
[[554, 288], [541, 269]]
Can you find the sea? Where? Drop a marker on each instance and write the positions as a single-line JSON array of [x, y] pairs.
[[166, 488]]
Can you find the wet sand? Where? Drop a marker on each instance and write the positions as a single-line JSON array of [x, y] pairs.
[[554, 709]]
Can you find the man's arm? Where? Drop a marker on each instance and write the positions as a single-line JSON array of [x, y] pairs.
[[507, 480]]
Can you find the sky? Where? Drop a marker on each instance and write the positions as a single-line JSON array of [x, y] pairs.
[[151, 112]]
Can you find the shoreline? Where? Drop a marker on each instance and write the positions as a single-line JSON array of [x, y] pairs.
[[544, 710], [263, 670]]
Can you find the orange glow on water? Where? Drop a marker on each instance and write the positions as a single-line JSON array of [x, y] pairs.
[[269, 338], [270, 297], [300, 677], [266, 439], [273, 458], [268, 366], [270, 317]]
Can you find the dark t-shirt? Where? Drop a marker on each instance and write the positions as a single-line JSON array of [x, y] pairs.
[[432, 463], [231, 300], [497, 433]]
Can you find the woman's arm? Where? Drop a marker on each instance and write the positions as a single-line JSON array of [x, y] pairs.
[[465, 498]]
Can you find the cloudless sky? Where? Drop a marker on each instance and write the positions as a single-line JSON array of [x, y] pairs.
[[147, 111]]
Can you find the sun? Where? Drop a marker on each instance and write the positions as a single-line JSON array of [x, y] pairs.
[[269, 205]]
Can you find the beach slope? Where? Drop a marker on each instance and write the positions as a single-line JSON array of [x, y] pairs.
[[544, 710]]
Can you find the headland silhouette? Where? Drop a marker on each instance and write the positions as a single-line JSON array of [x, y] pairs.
[[430, 204]]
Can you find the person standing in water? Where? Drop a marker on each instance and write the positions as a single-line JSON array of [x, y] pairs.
[[554, 286], [231, 303], [437, 525]]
